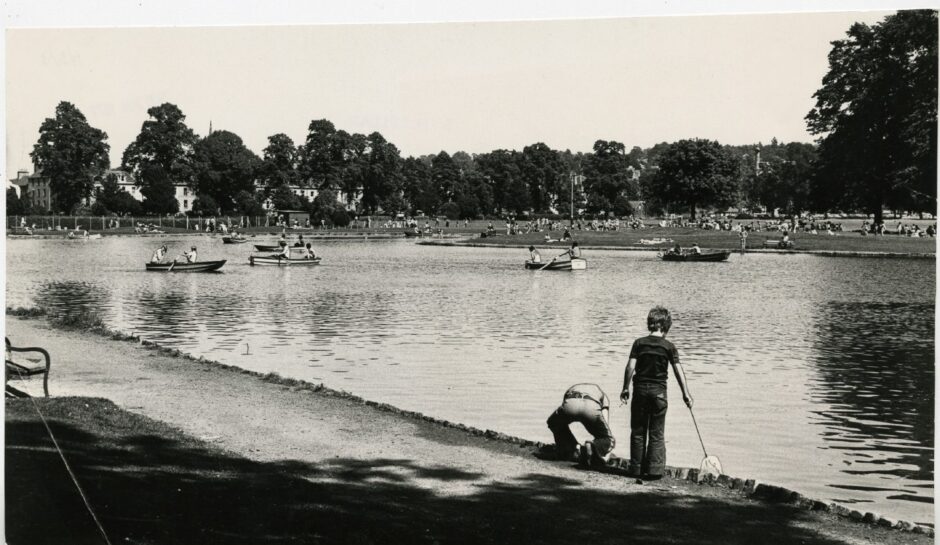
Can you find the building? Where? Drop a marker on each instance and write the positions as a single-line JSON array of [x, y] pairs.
[[19, 183], [39, 193]]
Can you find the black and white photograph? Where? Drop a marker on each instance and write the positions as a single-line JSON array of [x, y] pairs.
[[505, 274]]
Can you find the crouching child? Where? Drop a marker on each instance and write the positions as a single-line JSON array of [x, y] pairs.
[[588, 405]]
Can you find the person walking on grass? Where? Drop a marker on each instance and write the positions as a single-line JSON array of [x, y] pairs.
[[648, 370], [588, 405]]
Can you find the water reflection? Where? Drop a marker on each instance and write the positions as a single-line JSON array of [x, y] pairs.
[[875, 369], [69, 299]]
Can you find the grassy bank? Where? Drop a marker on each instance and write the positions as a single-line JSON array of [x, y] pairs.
[[723, 240]]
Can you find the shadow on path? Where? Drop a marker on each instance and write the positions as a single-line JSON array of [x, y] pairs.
[[151, 484]]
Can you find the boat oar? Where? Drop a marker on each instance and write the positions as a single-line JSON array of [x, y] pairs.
[[552, 261], [171, 266]]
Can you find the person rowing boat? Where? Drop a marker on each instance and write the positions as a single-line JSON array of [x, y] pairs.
[[159, 254]]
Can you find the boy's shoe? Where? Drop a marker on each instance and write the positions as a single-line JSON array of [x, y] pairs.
[[587, 454]]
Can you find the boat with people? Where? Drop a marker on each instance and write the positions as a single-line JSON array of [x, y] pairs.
[[297, 257], [236, 239], [575, 264], [693, 256], [196, 266]]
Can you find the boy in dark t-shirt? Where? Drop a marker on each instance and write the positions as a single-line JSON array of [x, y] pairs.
[[648, 370]]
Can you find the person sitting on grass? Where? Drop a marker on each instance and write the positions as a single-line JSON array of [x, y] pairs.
[[648, 371], [588, 405]]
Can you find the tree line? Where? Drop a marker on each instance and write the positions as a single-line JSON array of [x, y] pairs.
[[875, 117]]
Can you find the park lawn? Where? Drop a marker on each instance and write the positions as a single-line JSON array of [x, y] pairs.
[[720, 240]]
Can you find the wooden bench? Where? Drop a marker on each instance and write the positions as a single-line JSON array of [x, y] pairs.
[[776, 243], [24, 367]]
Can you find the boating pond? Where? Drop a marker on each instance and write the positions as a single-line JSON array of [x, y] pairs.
[[809, 372]]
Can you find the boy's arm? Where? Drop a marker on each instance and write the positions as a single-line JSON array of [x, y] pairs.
[[627, 378], [680, 376]]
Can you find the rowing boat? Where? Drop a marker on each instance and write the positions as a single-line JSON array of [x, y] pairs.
[[294, 260], [709, 256], [234, 240], [576, 264], [198, 266]]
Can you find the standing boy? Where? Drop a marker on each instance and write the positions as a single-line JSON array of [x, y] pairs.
[[648, 370]]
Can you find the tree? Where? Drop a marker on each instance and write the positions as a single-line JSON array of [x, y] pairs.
[[503, 175], [165, 141], [15, 205], [279, 164], [381, 174], [607, 176], [543, 170], [694, 173], [158, 191], [284, 198], [223, 166], [785, 178], [876, 113], [70, 153], [247, 204], [445, 175], [204, 205], [318, 156]]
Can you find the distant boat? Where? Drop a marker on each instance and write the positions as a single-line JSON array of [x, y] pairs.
[[576, 264], [234, 240], [198, 266], [709, 256], [293, 261]]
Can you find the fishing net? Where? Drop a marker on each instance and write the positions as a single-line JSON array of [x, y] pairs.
[[710, 465]]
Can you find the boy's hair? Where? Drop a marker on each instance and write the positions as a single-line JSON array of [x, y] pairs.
[[659, 319]]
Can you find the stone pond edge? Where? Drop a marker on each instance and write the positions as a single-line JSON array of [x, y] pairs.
[[751, 488]]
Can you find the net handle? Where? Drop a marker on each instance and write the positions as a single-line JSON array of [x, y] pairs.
[[698, 432]]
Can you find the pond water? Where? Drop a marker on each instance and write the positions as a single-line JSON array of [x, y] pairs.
[[809, 372]]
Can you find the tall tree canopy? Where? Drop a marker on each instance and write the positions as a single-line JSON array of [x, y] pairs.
[[877, 114], [608, 182], [695, 173], [164, 140], [223, 167], [381, 173], [543, 171], [280, 162], [70, 153]]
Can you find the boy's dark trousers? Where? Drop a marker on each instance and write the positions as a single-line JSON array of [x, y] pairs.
[[588, 413], [648, 429]]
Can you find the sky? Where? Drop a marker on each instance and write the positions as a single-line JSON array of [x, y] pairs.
[[452, 86]]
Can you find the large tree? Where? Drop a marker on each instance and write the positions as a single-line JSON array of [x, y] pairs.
[[876, 113], [165, 141], [785, 178], [280, 162], [70, 153], [543, 170], [158, 191], [223, 166], [508, 189], [381, 173], [695, 173], [608, 179]]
